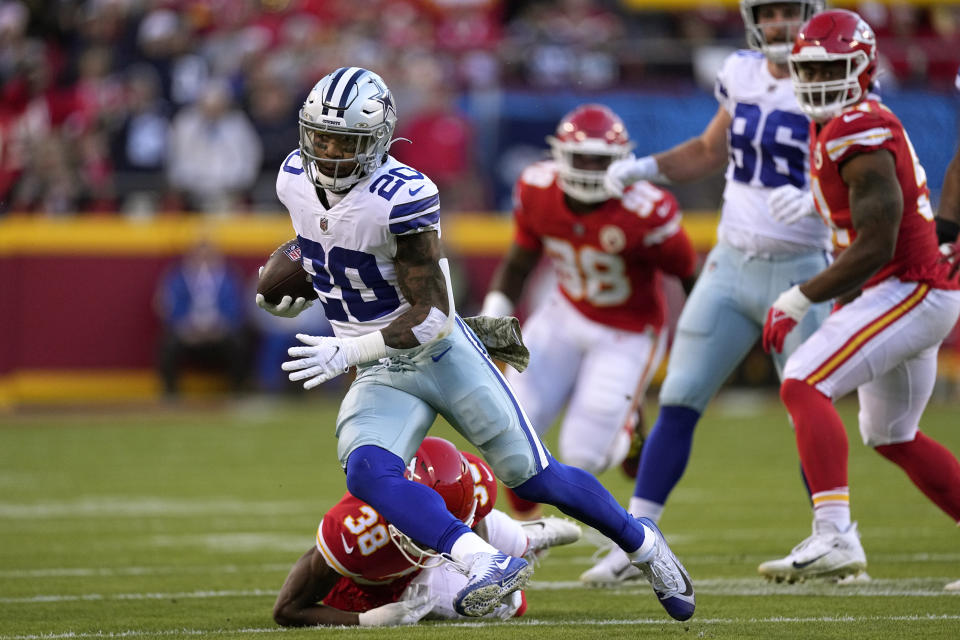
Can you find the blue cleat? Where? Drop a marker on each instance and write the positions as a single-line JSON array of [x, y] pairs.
[[670, 581], [490, 578]]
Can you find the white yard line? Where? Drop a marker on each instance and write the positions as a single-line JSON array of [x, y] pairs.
[[915, 587], [487, 623], [166, 570]]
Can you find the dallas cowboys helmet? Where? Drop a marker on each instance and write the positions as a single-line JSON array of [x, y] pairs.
[[778, 51], [346, 126]]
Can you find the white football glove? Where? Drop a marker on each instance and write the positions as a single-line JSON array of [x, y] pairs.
[[288, 307], [326, 357], [398, 613], [789, 204], [624, 172]]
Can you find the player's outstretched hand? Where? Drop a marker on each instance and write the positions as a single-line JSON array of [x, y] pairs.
[[624, 172], [950, 253], [398, 613], [789, 204], [288, 307], [783, 315], [324, 358]]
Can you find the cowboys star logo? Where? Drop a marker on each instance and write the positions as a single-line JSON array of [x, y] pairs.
[[386, 100]]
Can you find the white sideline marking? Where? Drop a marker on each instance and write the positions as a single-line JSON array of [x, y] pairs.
[[915, 587], [141, 596], [146, 506], [486, 623], [87, 572]]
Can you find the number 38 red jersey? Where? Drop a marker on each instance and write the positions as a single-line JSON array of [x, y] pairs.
[[869, 127], [607, 261]]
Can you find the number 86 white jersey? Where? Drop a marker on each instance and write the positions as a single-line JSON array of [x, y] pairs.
[[769, 147], [350, 247]]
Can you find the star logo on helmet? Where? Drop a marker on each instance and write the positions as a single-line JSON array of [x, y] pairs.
[[387, 101]]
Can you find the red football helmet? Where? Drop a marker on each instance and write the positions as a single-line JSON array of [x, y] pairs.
[[588, 139], [484, 485], [440, 465], [833, 62]]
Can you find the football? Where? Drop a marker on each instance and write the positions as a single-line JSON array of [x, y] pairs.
[[283, 275]]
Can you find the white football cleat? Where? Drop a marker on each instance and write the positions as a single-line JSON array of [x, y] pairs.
[[613, 568], [664, 572], [828, 553], [490, 578], [544, 533], [953, 586]]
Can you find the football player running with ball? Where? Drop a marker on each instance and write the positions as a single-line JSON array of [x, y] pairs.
[[369, 230], [769, 239], [868, 183], [599, 337]]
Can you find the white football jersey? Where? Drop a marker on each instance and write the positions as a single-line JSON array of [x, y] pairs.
[[350, 247], [769, 147]]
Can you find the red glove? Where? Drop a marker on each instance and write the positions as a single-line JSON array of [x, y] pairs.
[[783, 316], [775, 329]]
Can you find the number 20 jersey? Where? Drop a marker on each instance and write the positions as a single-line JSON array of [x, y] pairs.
[[607, 261], [350, 247], [768, 143]]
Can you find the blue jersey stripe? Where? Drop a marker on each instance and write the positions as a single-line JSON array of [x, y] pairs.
[[425, 220], [540, 457], [413, 207]]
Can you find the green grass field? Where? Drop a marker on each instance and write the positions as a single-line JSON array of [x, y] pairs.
[[179, 523]]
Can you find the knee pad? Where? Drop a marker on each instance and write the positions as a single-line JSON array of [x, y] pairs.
[[367, 467]]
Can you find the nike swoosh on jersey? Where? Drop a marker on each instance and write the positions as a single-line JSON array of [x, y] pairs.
[[437, 357], [803, 565], [850, 117], [346, 547], [414, 192]]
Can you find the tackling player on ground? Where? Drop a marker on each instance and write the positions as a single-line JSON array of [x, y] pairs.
[[362, 571], [768, 239], [369, 230], [599, 337], [869, 185]]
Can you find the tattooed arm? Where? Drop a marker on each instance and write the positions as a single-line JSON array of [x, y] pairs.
[[876, 207], [423, 284]]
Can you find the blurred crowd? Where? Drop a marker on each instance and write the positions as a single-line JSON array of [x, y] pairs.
[[146, 106]]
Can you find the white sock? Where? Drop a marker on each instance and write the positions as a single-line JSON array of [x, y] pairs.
[[467, 545], [832, 506], [642, 508], [646, 549]]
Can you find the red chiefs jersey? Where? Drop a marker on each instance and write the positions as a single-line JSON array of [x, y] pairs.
[[865, 128], [608, 261], [354, 540]]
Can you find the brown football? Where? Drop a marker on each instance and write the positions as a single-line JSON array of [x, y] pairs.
[[283, 275]]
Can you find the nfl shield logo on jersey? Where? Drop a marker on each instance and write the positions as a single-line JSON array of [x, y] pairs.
[[324, 225]]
